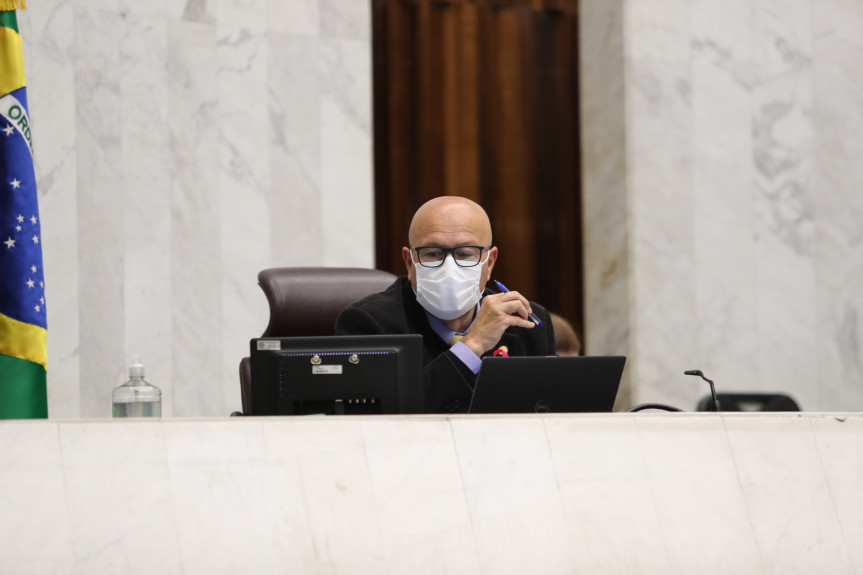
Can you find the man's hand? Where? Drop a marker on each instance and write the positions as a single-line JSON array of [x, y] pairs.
[[497, 312]]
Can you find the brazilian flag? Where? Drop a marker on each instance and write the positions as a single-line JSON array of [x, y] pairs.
[[23, 329]]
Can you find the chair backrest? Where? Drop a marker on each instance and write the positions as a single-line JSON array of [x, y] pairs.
[[307, 301], [749, 402]]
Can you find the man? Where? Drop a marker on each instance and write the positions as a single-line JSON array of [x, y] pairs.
[[443, 297]]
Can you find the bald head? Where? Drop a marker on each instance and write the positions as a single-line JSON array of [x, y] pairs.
[[450, 221]]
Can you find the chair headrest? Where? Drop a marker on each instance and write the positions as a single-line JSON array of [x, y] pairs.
[[307, 301]]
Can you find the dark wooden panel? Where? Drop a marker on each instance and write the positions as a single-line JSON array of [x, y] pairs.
[[508, 194], [429, 111], [557, 156], [461, 101], [395, 127], [479, 98]]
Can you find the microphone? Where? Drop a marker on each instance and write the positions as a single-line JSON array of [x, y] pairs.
[[710, 381]]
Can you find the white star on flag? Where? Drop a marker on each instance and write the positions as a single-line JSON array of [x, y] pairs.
[[15, 183], [9, 130], [20, 218], [10, 243], [33, 269], [30, 283], [17, 228], [33, 219], [35, 239], [37, 308]]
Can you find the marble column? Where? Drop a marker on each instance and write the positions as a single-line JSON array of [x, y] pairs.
[[738, 196], [181, 148]]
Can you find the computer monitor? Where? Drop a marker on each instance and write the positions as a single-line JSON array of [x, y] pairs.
[[337, 375]]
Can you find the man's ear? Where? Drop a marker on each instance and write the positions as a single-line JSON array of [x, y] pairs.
[[406, 256], [492, 258], [410, 267]]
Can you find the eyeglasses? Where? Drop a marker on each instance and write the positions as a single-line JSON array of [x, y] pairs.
[[434, 256]]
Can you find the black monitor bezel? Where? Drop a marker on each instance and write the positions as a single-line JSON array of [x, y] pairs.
[[407, 348]]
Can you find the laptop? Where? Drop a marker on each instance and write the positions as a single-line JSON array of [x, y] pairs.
[[547, 384]]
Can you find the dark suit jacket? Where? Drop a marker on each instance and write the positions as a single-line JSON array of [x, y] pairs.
[[447, 382]]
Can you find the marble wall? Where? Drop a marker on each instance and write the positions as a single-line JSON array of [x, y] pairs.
[[181, 147], [742, 247]]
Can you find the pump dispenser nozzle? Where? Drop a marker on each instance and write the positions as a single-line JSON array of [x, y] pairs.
[[136, 368]]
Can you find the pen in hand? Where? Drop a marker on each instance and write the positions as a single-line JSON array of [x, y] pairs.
[[531, 316]]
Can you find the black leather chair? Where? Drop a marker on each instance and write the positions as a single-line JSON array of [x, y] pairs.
[[306, 302], [749, 402]]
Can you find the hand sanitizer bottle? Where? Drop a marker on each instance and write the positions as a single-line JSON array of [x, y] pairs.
[[136, 397]]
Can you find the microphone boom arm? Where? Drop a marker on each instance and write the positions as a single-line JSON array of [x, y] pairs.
[[710, 381]]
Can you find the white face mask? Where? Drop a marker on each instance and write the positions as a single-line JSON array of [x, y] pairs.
[[448, 291]]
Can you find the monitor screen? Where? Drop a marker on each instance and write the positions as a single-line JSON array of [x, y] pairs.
[[337, 375]]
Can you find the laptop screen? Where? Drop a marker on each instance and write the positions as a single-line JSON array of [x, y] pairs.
[[547, 384]]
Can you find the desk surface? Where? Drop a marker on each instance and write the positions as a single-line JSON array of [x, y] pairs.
[[647, 492]]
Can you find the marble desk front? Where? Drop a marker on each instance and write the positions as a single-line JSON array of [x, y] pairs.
[[591, 493]]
